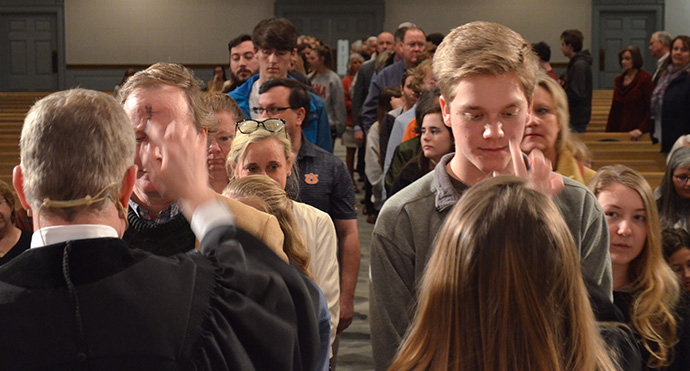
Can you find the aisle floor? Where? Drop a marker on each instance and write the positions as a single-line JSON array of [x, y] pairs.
[[355, 342]]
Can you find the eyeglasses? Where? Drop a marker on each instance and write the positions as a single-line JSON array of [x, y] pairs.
[[682, 179], [272, 111], [250, 126]]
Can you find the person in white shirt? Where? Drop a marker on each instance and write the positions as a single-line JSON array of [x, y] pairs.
[[660, 47]]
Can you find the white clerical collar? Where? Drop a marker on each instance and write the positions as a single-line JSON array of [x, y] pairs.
[[61, 233]]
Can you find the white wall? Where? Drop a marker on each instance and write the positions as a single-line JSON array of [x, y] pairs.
[[535, 20], [677, 17], [145, 31]]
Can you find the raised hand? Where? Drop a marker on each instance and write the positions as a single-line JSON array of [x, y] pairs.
[[539, 173], [176, 159]]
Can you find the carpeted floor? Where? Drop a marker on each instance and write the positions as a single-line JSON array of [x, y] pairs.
[[354, 353]]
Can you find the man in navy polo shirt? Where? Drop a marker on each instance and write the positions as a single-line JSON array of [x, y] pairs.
[[324, 181]]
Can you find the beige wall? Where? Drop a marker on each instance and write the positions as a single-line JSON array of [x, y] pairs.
[[137, 31], [535, 20], [142, 31], [677, 16]]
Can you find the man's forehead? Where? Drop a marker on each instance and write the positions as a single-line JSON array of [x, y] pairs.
[[275, 95], [243, 47], [160, 99], [413, 34], [474, 91]]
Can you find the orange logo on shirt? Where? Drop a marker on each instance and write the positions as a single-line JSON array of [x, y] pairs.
[[311, 178]]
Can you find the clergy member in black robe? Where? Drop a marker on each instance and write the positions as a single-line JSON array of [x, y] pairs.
[[81, 298]]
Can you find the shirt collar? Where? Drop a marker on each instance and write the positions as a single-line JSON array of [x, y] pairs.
[[447, 195], [662, 59], [306, 149], [61, 233], [163, 216]]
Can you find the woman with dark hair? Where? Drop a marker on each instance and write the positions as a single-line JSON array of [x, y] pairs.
[[503, 290], [644, 288], [216, 83], [328, 86], [670, 105], [631, 95], [673, 195], [303, 51], [677, 254], [436, 140], [12, 240]]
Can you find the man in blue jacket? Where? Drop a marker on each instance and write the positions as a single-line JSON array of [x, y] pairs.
[[276, 43]]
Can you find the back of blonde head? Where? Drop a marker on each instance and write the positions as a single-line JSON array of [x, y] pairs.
[[503, 289], [277, 203]]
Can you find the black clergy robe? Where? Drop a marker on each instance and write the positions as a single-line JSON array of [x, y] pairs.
[[99, 304]]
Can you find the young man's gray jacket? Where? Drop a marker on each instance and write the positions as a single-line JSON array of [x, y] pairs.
[[404, 235]]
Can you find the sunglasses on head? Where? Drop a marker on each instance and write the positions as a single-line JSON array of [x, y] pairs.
[[250, 125]]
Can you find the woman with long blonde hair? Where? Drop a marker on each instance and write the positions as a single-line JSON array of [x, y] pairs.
[[645, 289], [266, 195], [503, 290]]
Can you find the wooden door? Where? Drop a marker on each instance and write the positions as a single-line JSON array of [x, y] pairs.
[[29, 54]]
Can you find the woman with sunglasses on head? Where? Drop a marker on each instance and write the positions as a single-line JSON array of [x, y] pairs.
[[645, 289], [263, 147], [673, 195]]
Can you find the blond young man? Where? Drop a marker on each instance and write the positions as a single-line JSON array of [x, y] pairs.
[[486, 73]]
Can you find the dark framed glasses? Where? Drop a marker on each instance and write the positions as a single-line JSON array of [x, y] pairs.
[[249, 126]]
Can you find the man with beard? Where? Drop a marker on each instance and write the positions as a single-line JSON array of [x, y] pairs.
[[243, 61]]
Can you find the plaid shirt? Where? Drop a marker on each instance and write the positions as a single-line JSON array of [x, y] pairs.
[[163, 217]]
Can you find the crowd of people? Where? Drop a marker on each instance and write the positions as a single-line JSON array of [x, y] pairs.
[[209, 226]]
